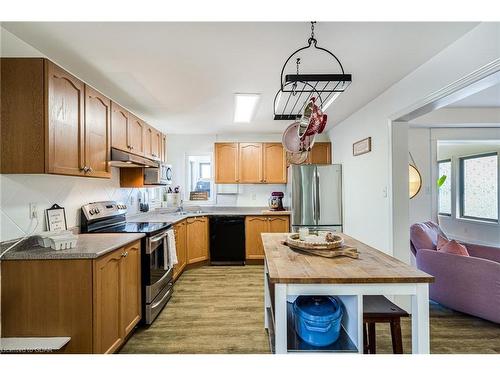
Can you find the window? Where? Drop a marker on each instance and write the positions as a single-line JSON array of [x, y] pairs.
[[444, 191], [199, 178], [479, 187]]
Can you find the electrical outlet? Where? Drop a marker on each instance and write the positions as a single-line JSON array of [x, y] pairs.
[[33, 210]]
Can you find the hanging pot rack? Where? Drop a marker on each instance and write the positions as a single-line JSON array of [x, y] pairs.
[[296, 89]]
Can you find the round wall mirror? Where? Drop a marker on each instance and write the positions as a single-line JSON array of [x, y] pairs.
[[415, 181]]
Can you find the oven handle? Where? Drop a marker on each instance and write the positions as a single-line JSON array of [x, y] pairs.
[[167, 295], [155, 239]]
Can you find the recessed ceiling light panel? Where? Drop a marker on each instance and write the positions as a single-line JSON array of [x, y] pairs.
[[245, 106]]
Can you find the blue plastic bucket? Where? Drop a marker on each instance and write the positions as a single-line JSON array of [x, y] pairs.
[[317, 319]]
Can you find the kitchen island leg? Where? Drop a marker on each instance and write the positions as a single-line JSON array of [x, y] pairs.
[[267, 298], [420, 320], [280, 291]]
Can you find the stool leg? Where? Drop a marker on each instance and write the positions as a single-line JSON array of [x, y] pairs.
[[397, 341], [372, 345], [365, 340]]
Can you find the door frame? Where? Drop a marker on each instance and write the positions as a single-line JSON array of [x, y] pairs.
[[398, 125]]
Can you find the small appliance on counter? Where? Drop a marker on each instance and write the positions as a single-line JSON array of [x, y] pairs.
[[276, 201]]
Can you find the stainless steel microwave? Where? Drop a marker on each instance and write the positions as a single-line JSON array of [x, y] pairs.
[[158, 176]]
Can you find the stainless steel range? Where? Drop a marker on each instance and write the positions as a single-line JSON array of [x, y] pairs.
[[157, 285]]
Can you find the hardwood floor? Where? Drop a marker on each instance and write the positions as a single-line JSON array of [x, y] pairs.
[[220, 310]]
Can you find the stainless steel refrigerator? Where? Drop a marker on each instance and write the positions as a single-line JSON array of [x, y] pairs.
[[314, 195]]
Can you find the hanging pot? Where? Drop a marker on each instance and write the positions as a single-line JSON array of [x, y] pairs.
[[292, 143], [313, 120]]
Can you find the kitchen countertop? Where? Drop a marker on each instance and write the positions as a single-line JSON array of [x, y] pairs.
[[373, 266], [89, 246], [164, 215]]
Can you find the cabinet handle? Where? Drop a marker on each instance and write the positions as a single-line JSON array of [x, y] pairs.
[[124, 254], [84, 169], [90, 170], [131, 147]]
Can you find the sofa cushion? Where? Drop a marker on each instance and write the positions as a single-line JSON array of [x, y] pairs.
[[425, 235], [451, 247]]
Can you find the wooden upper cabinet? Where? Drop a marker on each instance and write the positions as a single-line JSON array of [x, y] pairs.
[[108, 332], [226, 163], [97, 133], [136, 135], [155, 144], [274, 163], [321, 153], [163, 150], [131, 288], [119, 127], [148, 141], [197, 239], [65, 122], [250, 163]]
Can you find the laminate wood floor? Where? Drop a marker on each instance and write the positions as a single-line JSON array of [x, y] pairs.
[[220, 310]]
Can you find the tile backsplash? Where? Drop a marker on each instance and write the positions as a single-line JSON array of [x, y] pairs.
[[18, 191]]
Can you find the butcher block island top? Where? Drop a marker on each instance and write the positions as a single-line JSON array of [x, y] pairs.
[[286, 266]]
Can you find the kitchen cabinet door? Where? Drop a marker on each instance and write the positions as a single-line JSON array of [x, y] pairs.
[[226, 163], [254, 226], [119, 127], [163, 150], [65, 122], [321, 153], [274, 163], [250, 160], [97, 129], [279, 224], [130, 287], [180, 244], [136, 133], [148, 141], [197, 239], [155, 144], [108, 331]]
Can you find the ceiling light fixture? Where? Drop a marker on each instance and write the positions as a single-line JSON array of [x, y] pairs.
[[245, 106]]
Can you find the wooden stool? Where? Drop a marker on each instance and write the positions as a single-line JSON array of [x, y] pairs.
[[378, 309]]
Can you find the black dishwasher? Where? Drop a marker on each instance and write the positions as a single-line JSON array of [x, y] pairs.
[[227, 240]]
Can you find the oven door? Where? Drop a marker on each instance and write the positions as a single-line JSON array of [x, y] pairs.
[[157, 276]]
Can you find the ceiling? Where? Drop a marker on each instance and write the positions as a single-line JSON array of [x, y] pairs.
[[489, 97], [181, 77]]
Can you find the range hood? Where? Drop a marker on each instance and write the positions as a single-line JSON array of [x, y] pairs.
[[124, 159]]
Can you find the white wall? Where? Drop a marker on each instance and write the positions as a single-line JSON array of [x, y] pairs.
[[367, 178], [423, 144]]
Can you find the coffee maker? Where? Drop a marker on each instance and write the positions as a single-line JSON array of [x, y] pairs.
[[276, 201]]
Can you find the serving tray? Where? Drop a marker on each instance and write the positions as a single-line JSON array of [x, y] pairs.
[[328, 249]]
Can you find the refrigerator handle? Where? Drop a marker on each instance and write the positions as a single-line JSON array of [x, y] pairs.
[[318, 208], [314, 198]]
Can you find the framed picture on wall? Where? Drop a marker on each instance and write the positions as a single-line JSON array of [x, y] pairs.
[[362, 147], [56, 218]]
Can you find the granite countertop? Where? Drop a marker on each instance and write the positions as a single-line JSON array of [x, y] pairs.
[[89, 246], [166, 215]]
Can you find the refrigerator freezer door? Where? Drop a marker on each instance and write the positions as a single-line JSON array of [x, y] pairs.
[[329, 195], [303, 194]]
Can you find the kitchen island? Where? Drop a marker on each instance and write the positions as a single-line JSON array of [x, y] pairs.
[[288, 274]]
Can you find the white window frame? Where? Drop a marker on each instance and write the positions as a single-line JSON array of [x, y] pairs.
[[187, 190]]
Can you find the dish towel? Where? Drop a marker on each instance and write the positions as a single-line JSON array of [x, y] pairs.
[[171, 251]]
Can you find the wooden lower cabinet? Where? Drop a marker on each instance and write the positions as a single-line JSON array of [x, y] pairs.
[[180, 244], [95, 302], [255, 225], [197, 239]]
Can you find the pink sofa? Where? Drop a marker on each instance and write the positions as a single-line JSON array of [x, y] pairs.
[[470, 284]]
